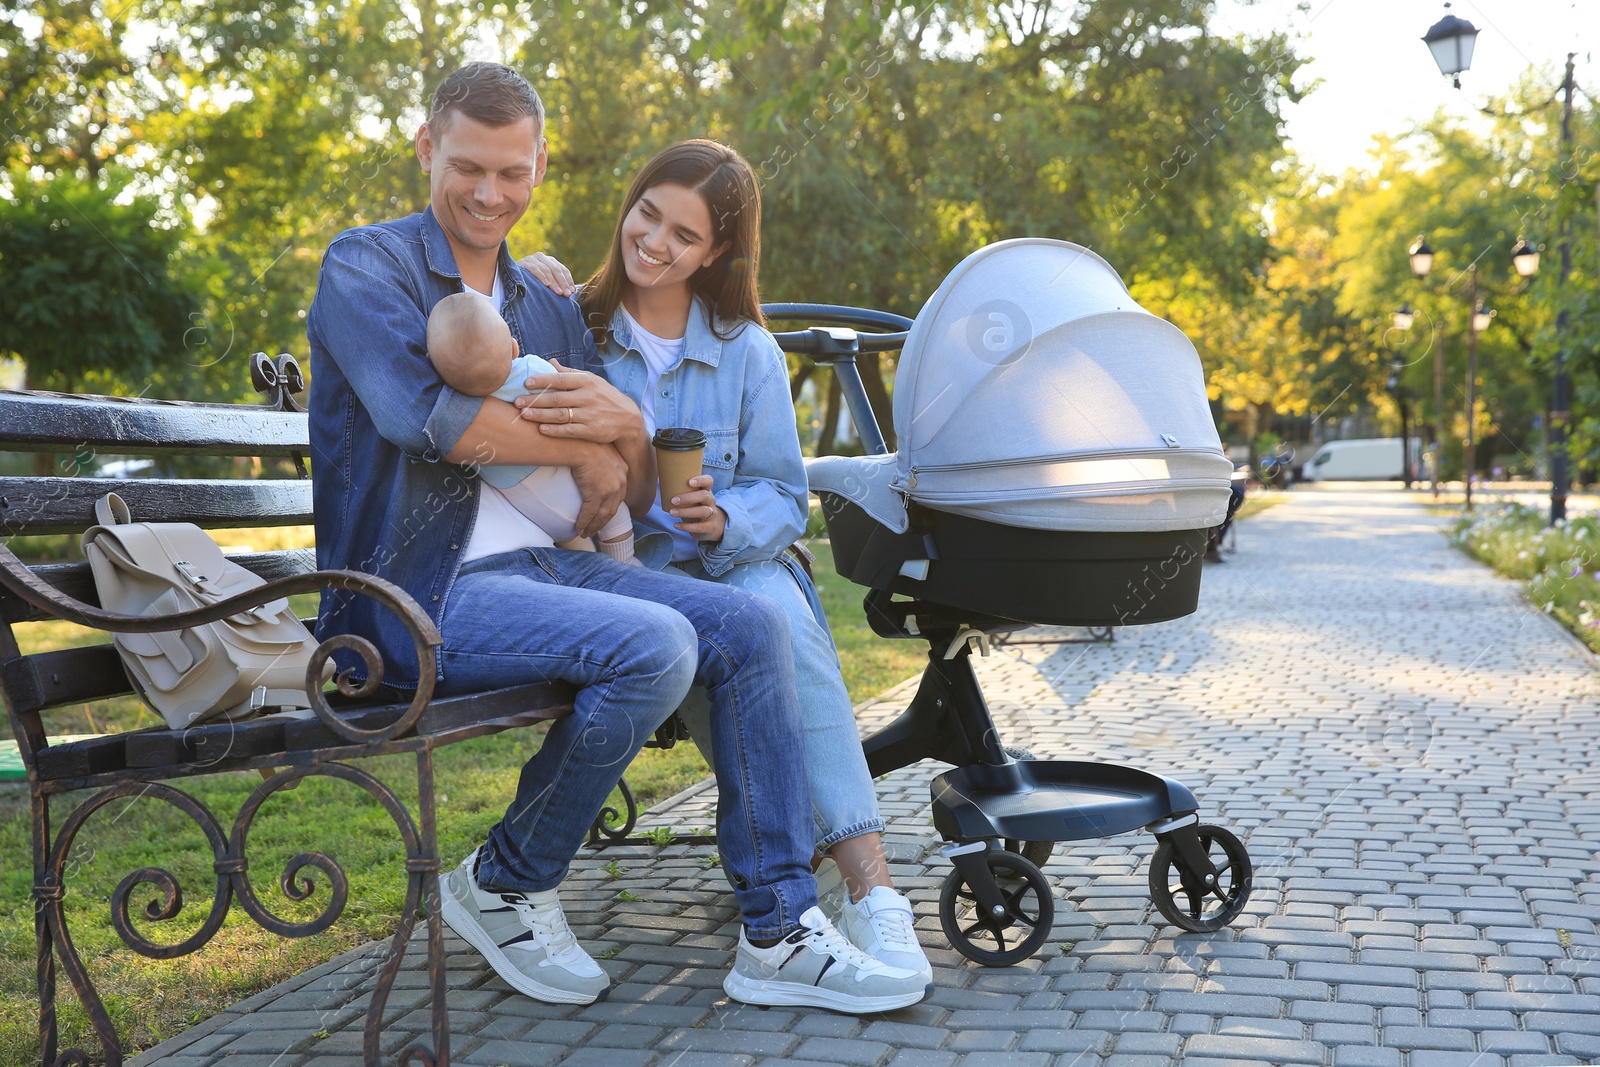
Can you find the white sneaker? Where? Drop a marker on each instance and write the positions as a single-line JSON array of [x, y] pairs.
[[883, 926], [816, 967], [524, 936]]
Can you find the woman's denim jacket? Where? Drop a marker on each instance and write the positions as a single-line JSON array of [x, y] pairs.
[[386, 500], [736, 392]]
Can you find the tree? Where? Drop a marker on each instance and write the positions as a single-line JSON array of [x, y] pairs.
[[1469, 193], [91, 292], [892, 140]]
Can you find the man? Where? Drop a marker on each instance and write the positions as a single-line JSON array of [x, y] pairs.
[[396, 494]]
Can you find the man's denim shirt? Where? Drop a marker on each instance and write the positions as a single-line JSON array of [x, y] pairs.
[[737, 392], [387, 502]]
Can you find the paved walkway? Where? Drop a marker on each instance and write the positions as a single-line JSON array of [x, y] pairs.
[[1408, 750]]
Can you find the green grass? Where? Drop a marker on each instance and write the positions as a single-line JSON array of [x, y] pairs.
[[1259, 501], [1556, 564], [151, 1000]]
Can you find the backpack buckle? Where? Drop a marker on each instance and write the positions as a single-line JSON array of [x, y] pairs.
[[185, 568]]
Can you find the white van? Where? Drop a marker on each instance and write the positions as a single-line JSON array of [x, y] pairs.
[[1366, 459]]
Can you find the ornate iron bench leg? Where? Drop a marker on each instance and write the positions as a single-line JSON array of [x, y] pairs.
[[606, 829], [233, 882], [426, 871], [46, 892]]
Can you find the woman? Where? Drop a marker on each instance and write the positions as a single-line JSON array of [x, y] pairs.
[[676, 315]]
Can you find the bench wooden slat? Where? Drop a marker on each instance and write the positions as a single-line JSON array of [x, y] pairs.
[[66, 505], [209, 743], [77, 581], [54, 422], [79, 759], [217, 743], [442, 714], [67, 676]]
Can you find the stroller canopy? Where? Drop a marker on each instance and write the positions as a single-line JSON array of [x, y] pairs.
[[1033, 391]]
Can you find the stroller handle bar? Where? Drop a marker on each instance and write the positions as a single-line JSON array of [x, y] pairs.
[[836, 345], [887, 331]]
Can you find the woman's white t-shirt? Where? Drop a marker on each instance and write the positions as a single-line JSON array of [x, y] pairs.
[[660, 354]]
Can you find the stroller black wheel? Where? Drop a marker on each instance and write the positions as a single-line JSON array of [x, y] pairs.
[[999, 940], [1184, 900], [1037, 853]]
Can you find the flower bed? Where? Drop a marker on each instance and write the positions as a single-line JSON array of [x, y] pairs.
[[1557, 564]]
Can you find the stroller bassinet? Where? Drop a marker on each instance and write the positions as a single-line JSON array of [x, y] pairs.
[[1057, 461], [1057, 464]]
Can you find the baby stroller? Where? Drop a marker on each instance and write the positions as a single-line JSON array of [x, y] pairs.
[[1057, 465]]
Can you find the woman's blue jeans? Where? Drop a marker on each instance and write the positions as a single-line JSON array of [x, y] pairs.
[[842, 794], [634, 640]]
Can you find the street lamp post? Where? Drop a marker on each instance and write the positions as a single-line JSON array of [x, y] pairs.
[[1421, 257], [1480, 322], [1438, 403], [1451, 41], [1479, 318], [1396, 369], [1561, 390], [1402, 321]]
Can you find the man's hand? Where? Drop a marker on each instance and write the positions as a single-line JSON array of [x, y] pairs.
[[577, 404], [551, 271], [697, 512], [602, 479]]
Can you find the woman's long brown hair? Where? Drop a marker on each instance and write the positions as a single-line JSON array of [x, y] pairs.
[[728, 286]]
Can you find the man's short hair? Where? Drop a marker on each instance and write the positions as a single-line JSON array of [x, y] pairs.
[[490, 93]]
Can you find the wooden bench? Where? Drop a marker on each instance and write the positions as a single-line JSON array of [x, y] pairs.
[[321, 741]]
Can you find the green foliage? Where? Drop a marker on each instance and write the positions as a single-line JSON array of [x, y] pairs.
[[891, 140], [91, 290], [1473, 192]]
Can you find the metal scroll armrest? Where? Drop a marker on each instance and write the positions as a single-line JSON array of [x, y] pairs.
[[30, 588]]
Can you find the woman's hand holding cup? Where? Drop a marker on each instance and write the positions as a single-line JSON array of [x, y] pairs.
[[685, 491], [697, 512]]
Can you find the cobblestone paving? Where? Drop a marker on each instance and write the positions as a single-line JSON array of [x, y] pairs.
[[1407, 748]]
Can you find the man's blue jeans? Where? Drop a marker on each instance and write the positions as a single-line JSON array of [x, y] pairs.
[[634, 641]]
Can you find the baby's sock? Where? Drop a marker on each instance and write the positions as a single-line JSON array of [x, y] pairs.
[[620, 550]]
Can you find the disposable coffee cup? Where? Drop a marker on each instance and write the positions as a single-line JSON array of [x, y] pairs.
[[679, 455]]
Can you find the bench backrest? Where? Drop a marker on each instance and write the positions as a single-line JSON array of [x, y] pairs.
[[59, 504]]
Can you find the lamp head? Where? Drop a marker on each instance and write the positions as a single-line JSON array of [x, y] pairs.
[[1451, 40], [1525, 258], [1481, 317], [1404, 318], [1421, 257]]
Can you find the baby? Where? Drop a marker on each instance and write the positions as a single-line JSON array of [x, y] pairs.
[[471, 347]]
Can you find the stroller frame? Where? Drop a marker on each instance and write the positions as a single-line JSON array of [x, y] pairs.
[[1001, 810]]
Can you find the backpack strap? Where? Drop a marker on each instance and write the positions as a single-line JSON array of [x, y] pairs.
[[110, 510]]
